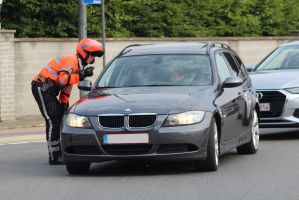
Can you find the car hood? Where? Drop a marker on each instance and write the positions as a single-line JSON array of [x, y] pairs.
[[275, 79], [160, 100]]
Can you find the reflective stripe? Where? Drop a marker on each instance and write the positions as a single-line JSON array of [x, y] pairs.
[[58, 59], [47, 116], [54, 73], [54, 149], [52, 143], [67, 70]]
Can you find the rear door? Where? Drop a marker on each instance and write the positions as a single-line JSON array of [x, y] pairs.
[[249, 96]]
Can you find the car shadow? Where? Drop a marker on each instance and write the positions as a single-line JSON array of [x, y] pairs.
[[280, 136], [152, 168], [140, 168]]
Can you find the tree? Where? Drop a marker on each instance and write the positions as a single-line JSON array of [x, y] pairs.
[[153, 18]]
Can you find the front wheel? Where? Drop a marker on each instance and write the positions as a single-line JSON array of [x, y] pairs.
[[252, 146], [77, 167], [211, 163]]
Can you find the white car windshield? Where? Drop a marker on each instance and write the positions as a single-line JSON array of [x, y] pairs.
[[286, 57], [158, 70]]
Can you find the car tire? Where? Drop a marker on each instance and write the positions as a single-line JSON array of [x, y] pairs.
[[211, 162], [252, 146], [77, 167]]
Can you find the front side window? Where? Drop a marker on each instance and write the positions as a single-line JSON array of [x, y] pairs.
[[233, 66], [241, 66], [223, 68], [158, 70], [286, 57]]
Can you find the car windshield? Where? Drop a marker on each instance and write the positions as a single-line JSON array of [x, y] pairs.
[[158, 70], [286, 57]]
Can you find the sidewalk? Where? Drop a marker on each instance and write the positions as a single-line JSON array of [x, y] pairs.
[[23, 130], [23, 122]]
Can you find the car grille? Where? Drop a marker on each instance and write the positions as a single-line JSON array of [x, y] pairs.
[[176, 148], [111, 121], [134, 121], [83, 150], [141, 120], [276, 100], [134, 149]]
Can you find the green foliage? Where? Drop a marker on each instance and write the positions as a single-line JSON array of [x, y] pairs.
[[40, 18], [153, 18]]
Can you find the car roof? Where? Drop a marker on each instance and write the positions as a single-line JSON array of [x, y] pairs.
[[168, 48], [291, 43]]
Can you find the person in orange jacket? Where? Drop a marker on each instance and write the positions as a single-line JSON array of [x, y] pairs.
[[58, 78]]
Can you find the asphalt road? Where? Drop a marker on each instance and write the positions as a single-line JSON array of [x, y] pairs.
[[272, 173]]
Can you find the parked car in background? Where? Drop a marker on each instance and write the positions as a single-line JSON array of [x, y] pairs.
[[181, 101], [276, 80]]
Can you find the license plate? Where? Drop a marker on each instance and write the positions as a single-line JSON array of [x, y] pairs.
[[140, 138], [265, 106]]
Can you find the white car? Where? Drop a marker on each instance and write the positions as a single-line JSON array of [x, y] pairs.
[[276, 80]]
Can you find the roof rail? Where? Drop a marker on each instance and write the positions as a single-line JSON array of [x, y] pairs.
[[123, 51], [209, 45]]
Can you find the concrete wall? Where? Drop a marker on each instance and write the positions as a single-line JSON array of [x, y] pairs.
[[7, 75], [32, 54]]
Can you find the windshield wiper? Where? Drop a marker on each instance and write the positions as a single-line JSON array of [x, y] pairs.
[[151, 85], [277, 68], [105, 87]]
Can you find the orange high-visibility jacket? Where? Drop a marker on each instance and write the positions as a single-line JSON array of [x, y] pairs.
[[63, 72]]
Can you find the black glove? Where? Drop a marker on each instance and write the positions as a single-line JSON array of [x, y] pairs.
[[85, 73], [64, 106], [88, 71]]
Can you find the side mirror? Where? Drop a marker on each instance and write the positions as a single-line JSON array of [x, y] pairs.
[[250, 67], [85, 85], [232, 81]]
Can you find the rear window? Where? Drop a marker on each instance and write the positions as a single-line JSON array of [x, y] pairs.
[[158, 70]]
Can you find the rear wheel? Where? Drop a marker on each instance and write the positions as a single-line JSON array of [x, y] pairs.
[[211, 163], [77, 167], [252, 146]]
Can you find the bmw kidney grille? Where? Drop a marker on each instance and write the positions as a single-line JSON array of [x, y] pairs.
[[131, 121]]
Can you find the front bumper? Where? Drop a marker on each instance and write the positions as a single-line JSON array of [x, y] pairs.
[[165, 143], [288, 117]]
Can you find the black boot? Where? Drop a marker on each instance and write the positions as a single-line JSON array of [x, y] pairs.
[[56, 160]]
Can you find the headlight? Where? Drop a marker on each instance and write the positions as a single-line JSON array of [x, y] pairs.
[[190, 117], [294, 90], [73, 120]]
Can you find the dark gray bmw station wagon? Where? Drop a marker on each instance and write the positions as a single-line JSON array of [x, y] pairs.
[[179, 101]]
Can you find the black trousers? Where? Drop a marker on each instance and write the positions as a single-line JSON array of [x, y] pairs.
[[52, 112]]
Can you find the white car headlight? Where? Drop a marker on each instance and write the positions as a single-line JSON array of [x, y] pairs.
[[294, 90], [73, 120], [190, 117]]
